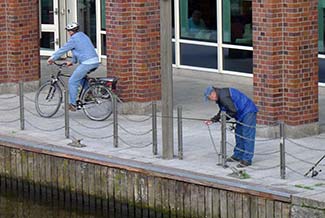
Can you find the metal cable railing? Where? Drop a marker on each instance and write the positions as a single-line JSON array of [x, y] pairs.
[[90, 136], [134, 133], [92, 127], [44, 129], [133, 145], [125, 127], [8, 97], [9, 109], [304, 146], [134, 120], [9, 121], [254, 153]]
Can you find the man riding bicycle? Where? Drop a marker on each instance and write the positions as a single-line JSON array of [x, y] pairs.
[[84, 53]]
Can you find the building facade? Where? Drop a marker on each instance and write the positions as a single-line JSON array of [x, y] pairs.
[[280, 43]]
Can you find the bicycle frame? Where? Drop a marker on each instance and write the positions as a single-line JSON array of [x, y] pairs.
[[58, 79], [104, 88]]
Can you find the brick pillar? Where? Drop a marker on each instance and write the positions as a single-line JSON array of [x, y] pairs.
[[19, 39], [285, 63], [133, 48]]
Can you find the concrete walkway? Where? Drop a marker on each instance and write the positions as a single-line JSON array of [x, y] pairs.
[[200, 142]]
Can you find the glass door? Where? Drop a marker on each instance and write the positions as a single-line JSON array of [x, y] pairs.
[[49, 26], [87, 18], [56, 14]]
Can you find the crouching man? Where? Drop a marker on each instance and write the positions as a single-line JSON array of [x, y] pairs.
[[238, 106]]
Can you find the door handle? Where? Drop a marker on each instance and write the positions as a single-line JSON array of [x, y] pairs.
[[62, 11]]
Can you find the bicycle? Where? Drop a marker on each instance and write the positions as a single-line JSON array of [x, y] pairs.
[[95, 101]]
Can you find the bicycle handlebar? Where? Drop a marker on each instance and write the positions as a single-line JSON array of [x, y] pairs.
[[60, 65]]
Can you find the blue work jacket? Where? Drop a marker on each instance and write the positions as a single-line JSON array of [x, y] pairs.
[[235, 103]]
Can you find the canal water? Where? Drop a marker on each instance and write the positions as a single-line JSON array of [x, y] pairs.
[[23, 200]]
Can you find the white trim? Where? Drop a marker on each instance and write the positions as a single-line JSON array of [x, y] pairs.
[[98, 27], [56, 24], [214, 70], [321, 84], [196, 68], [47, 28], [209, 70], [237, 73], [193, 42], [54, 28], [241, 47], [213, 44], [46, 52], [321, 55], [219, 36], [177, 33]]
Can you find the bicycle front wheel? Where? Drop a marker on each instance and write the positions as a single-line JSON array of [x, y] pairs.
[[97, 102], [48, 99]]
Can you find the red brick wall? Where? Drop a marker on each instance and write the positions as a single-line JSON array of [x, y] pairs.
[[133, 48], [285, 61], [3, 43], [19, 40]]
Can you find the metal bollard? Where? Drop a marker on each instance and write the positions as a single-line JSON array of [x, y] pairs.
[[115, 123], [223, 139], [66, 114], [282, 151], [21, 105], [180, 132], [154, 128]]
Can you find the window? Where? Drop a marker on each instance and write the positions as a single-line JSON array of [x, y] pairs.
[[47, 12], [198, 20], [237, 22], [87, 18], [321, 36]]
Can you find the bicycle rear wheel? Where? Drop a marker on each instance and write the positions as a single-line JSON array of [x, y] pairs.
[[48, 99], [97, 102]]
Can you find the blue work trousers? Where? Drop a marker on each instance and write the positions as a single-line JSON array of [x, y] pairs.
[[77, 78], [245, 138]]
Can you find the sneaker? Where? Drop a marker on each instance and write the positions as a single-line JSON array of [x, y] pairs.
[[72, 107], [243, 164], [232, 159]]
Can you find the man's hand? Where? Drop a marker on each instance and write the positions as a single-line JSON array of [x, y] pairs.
[[216, 118], [208, 122], [69, 63], [50, 61]]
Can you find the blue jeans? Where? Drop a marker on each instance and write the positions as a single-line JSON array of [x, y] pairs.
[[244, 149], [77, 78]]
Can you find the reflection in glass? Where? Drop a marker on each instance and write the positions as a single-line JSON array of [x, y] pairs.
[[198, 20], [47, 41], [199, 56], [321, 70], [173, 19], [103, 44], [321, 25], [238, 60], [87, 18], [47, 12], [173, 53], [103, 14], [237, 22]]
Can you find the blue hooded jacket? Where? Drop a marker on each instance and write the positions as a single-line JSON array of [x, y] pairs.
[[81, 47], [235, 103]]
